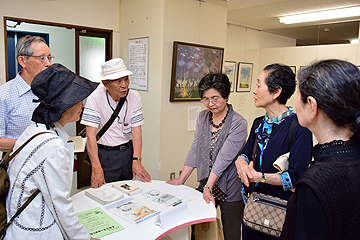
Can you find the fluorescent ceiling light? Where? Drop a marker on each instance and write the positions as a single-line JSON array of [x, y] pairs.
[[321, 15]]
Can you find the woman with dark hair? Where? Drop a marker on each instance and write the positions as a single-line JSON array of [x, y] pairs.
[[220, 133], [46, 162], [269, 139], [326, 201]]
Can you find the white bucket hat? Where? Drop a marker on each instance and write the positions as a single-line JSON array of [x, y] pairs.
[[114, 69]]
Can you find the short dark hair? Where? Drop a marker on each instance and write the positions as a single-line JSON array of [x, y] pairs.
[[218, 81], [23, 46], [280, 76], [335, 85]]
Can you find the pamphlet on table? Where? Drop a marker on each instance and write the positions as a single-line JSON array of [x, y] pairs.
[[133, 211], [128, 188], [104, 194], [98, 223]]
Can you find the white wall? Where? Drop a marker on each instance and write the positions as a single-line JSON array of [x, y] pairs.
[[193, 22], [145, 19]]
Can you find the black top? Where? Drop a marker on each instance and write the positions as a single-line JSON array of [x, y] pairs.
[[326, 201]]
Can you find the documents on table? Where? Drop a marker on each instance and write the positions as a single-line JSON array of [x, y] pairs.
[[128, 188], [163, 207], [133, 211], [104, 194], [98, 223]]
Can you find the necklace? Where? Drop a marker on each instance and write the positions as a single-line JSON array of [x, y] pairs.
[[222, 121]]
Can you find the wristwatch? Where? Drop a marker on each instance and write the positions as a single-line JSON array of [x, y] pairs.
[[137, 158], [263, 178], [208, 187]]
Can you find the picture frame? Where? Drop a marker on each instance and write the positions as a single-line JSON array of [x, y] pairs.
[[244, 76], [230, 71], [190, 63], [293, 68]]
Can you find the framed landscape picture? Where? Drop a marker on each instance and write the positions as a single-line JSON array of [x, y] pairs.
[[190, 63], [244, 77], [230, 71]]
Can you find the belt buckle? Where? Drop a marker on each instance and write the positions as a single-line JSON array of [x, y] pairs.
[[122, 148]]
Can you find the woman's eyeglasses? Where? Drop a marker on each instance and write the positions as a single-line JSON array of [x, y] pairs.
[[208, 100]]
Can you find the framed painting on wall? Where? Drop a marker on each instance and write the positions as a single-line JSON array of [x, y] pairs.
[[293, 68], [190, 63], [230, 71], [244, 77]]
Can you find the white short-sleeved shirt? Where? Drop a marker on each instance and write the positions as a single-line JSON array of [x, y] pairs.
[[99, 108]]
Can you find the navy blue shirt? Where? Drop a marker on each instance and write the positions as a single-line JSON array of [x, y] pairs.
[[300, 154]]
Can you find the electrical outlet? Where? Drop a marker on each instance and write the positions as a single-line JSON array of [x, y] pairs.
[[172, 175]]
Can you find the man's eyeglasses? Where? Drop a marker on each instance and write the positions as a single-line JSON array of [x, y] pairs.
[[43, 58], [208, 100]]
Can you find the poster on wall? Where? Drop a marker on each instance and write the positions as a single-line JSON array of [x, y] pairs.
[[138, 63], [229, 70]]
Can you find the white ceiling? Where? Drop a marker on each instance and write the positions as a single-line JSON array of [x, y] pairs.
[[263, 15]]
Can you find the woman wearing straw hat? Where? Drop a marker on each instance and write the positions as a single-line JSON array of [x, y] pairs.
[[46, 162]]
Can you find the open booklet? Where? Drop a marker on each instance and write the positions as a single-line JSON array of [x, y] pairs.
[[173, 206], [133, 210], [168, 208]]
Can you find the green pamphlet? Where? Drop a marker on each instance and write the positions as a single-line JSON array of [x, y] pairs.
[[98, 223]]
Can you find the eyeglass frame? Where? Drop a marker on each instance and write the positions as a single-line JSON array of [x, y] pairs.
[[49, 57], [211, 100]]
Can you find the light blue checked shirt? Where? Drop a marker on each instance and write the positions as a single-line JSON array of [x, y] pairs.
[[16, 107]]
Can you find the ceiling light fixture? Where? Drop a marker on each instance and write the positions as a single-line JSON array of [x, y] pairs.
[[321, 15]]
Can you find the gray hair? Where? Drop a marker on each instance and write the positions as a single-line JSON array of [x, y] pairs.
[[23, 46]]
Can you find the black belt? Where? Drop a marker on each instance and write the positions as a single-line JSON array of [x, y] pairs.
[[120, 148]]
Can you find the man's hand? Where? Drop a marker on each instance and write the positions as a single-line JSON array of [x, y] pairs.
[[97, 178], [243, 171], [139, 170]]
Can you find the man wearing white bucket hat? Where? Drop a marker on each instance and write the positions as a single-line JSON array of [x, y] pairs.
[[116, 155]]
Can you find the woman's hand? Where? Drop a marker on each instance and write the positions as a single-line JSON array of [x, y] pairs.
[[175, 181], [243, 171], [208, 197], [256, 176]]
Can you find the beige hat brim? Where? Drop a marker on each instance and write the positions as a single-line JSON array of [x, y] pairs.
[[115, 74]]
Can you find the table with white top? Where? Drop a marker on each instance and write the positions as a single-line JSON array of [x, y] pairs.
[[199, 210]]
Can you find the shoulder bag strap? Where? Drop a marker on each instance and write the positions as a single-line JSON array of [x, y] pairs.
[[7, 158], [113, 116], [292, 131], [256, 125]]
